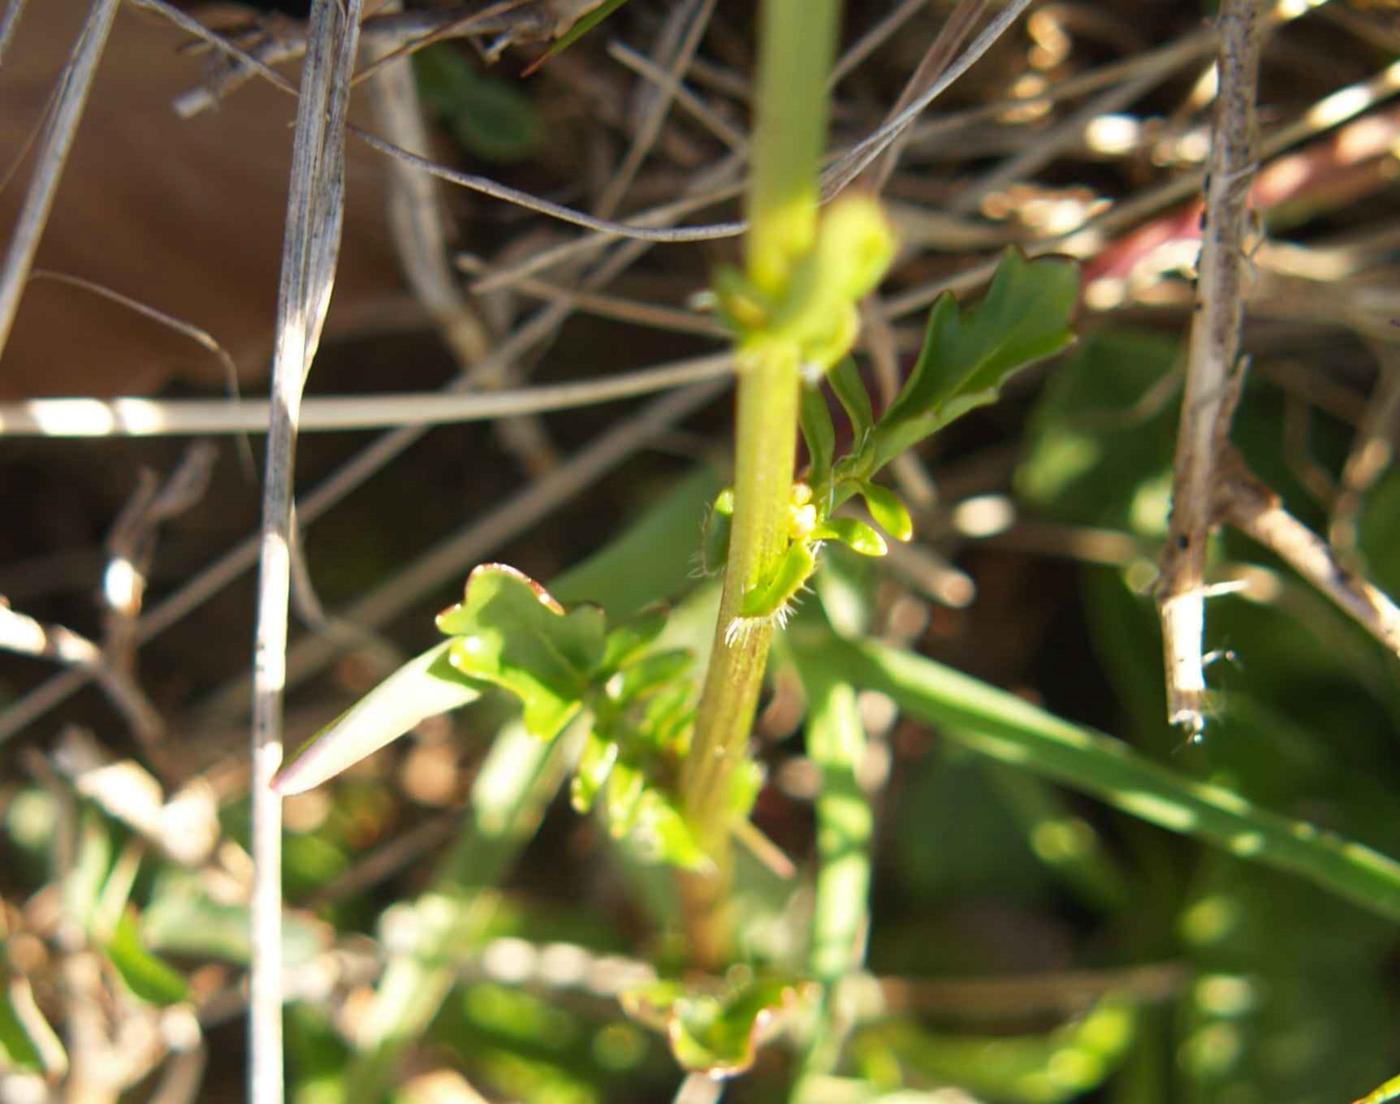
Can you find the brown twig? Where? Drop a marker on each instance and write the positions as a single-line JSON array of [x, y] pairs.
[[1213, 375], [131, 548], [23, 635], [686, 28], [1371, 452], [1256, 511]]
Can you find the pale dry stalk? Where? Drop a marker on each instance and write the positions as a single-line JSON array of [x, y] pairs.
[[69, 101], [416, 213], [1213, 365], [310, 246]]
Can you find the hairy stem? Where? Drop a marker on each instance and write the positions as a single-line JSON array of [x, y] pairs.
[[797, 42]]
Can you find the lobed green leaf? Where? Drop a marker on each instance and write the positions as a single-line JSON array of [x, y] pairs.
[[967, 356], [509, 631]]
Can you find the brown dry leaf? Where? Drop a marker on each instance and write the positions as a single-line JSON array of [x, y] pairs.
[[183, 215]]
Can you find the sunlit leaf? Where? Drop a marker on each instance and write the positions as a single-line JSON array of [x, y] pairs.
[[664, 834], [773, 594], [82, 887], [17, 1052], [714, 1032], [714, 541], [1058, 1066], [1389, 1091], [595, 763], [745, 783], [651, 673], [889, 512], [423, 687], [509, 631], [720, 1035], [623, 802], [626, 643], [854, 534], [968, 355]]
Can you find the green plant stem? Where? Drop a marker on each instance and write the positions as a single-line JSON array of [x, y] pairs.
[[797, 44], [766, 444], [797, 40]]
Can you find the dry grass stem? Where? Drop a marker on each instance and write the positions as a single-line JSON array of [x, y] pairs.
[[873, 39], [694, 17], [1372, 452], [940, 53], [717, 185], [310, 246], [707, 116], [486, 186], [632, 311], [131, 545], [451, 556], [416, 215], [393, 33], [9, 20], [69, 101], [864, 153], [23, 635], [1213, 366], [136, 417]]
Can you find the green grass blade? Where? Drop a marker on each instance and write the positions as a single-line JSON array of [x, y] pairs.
[[1389, 1091], [580, 28], [1007, 728], [423, 687], [840, 916]]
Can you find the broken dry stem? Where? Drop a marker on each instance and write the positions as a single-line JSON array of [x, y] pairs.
[[1212, 368]]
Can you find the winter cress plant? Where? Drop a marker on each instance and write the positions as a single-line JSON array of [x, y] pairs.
[[656, 740]]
